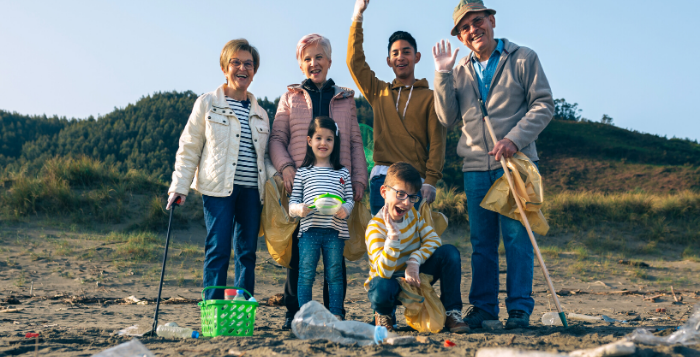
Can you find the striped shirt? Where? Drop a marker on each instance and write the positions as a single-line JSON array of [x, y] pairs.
[[247, 165], [313, 181], [417, 240]]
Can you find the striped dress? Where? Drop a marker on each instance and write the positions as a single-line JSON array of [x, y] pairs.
[[247, 165], [416, 240], [309, 183]]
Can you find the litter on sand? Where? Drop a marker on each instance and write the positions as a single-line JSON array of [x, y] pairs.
[[127, 349], [619, 348], [134, 330], [688, 334]]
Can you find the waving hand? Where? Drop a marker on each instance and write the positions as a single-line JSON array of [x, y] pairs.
[[444, 58]]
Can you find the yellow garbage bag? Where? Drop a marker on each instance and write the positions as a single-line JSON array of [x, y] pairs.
[[435, 219], [355, 247], [276, 224], [424, 310], [528, 187]]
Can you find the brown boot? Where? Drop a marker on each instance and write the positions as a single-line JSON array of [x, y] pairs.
[[383, 320], [454, 322]]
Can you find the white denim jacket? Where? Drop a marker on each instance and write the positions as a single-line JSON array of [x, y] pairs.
[[208, 152]]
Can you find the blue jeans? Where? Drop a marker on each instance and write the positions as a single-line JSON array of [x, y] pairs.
[[311, 243], [233, 219], [484, 226], [443, 265], [376, 201]]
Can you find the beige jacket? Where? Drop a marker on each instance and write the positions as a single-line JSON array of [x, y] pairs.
[[519, 105], [208, 150]]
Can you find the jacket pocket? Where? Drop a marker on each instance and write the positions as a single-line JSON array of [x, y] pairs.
[[260, 141], [217, 130]]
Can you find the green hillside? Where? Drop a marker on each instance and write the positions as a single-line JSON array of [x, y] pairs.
[[575, 155]]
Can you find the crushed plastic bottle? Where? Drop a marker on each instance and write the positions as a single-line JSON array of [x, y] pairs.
[[313, 321], [176, 332], [126, 349], [551, 319], [688, 334]]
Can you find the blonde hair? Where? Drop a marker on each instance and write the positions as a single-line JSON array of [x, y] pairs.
[[234, 46], [310, 40]]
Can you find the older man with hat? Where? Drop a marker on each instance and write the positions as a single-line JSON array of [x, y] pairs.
[[506, 82]]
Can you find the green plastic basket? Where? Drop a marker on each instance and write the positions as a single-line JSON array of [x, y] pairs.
[[227, 317]]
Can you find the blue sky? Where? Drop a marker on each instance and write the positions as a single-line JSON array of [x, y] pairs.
[[632, 60]]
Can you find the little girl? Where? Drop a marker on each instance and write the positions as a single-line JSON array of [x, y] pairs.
[[321, 172]]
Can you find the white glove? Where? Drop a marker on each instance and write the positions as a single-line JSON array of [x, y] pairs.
[[412, 273], [444, 58], [173, 196], [360, 7], [392, 231], [428, 192], [299, 210]]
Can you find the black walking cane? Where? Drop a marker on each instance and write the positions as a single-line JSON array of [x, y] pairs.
[[162, 271]]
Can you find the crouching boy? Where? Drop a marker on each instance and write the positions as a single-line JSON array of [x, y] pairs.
[[401, 244]]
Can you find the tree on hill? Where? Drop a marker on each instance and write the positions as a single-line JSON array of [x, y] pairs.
[[566, 111]]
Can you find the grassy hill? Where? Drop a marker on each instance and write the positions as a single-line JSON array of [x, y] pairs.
[[575, 155]]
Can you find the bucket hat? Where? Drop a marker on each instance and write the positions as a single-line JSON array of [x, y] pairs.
[[466, 6]]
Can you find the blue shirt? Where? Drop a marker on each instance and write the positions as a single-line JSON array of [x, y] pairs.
[[485, 75]]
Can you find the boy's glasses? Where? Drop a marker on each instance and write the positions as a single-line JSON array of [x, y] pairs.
[[402, 195]]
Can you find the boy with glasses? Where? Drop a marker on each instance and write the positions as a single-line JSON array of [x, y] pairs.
[[401, 244]]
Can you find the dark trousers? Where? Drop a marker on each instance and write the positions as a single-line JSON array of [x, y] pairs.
[[291, 285], [444, 265]]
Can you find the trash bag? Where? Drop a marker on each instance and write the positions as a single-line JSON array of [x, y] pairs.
[[355, 247], [368, 144], [435, 219], [276, 224], [529, 191], [424, 310]]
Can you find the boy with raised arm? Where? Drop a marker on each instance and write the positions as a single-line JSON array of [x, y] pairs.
[[401, 244], [406, 127]]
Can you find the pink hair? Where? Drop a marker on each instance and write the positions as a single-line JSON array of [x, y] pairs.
[[310, 40]]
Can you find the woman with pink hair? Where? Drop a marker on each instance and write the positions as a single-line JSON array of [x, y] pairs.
[[316, 96]]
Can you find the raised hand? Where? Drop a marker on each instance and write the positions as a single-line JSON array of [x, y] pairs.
[[444, 58], [360, 7], [392, 231]]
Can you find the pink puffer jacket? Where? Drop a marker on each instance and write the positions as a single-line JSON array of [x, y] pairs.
[[288, 137]]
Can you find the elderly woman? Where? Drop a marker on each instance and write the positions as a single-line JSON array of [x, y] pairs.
[[222, 154], [316, 96]]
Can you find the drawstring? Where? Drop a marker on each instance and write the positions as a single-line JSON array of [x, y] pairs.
[[407, 100]]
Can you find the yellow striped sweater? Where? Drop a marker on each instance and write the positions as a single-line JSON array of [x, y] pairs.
[[417, 240]]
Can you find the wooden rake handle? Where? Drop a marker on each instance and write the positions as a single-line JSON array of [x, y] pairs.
[[526, 223]]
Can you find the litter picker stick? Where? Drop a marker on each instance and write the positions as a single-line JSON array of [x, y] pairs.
[[162, 271], [526, 223]]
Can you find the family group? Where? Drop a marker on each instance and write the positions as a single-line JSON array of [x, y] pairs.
[[228, 150]]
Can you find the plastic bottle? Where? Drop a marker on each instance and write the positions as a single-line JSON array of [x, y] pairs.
[[551, 319], [230, 294], [240, 296], [313, 321], [582, 317], [176, 332]]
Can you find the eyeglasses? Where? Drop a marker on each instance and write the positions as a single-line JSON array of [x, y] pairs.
[[248, 65], [402, 195], [478, 21]]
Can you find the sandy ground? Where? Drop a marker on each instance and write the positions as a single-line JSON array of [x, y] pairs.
[[77, 304]]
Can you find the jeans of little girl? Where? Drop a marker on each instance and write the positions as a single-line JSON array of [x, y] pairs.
[[311, 243]]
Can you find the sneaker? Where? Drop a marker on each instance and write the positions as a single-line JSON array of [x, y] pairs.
[[454, 322], [383, 320], [475, 316], [517, 319], [287, 323]]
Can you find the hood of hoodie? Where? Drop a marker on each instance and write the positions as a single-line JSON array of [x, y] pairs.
[[421, 83]]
